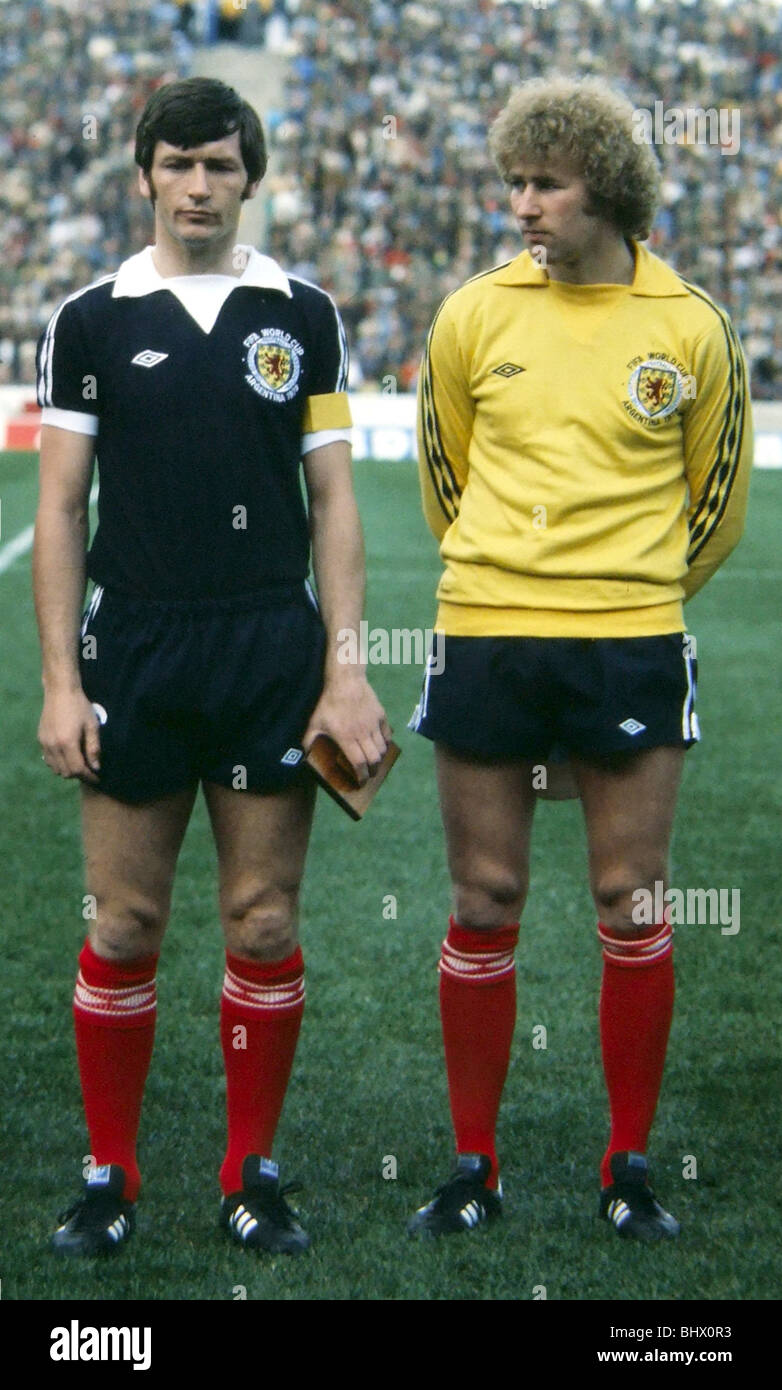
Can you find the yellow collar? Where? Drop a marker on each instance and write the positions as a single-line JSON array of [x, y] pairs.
[[653, 278]]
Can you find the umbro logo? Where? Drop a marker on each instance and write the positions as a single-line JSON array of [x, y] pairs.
[[631, 726], [507, 369], [148, 358], [293, 756]]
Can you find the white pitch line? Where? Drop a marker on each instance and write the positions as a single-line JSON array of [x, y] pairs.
[[13, 549], [22, 543]]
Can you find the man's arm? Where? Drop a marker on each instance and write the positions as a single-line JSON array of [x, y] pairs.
[[68, 731], [718, 453], [445, 420], [348, 709]]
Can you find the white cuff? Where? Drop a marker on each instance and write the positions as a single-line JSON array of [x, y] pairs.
[[69, 420], [319, 437]]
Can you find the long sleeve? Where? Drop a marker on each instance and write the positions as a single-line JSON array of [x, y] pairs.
[[718, 448], [445, 418]]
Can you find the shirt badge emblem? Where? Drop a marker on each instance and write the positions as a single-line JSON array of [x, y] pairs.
[[273, 361], [655, 388]]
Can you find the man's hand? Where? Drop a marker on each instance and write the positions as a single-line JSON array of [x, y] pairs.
[[350, 713], [68, 735]]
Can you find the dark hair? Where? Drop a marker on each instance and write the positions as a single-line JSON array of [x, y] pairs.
[[193, 112]]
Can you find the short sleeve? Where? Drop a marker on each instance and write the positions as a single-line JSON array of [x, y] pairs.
[[67, 385], [327, 405]]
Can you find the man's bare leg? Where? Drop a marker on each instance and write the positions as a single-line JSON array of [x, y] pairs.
[[261, 845], [629, 804], [629, 807], [130, 856], [487, 811]]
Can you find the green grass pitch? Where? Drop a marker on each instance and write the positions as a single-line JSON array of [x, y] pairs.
[[368, 1084]]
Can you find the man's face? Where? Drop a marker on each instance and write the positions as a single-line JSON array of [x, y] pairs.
[[549, 203], [198, 192]]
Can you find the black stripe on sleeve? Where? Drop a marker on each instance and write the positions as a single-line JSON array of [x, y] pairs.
[[722, 474], [446, 488]]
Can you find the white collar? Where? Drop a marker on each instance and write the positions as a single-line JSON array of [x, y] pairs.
[[139, 275]]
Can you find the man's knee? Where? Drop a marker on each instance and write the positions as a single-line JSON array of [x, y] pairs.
[[491, 898], [616, 894], [261, 924], [126, 930]]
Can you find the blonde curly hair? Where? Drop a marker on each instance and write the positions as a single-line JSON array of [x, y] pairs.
[[587, 123]]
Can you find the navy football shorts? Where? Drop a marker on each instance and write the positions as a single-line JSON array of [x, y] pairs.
[[219, 690], [526, 697]]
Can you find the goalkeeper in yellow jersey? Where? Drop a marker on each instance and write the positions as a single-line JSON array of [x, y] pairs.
[[585, 450]]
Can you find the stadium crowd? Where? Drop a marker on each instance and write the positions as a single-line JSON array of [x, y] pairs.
[[383, 190], [380, 188], [73, 90]]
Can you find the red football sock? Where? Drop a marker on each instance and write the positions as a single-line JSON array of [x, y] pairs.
[[636, 1006], [261, 1010], [114, 1009], [478, 1012]]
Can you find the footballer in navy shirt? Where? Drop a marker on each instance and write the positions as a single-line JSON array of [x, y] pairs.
[[201, 378]]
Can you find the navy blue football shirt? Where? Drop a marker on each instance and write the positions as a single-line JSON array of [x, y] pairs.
[[203, 392]]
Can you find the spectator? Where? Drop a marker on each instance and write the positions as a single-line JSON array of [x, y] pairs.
[[380, 189], [73, 88], [387, 110]]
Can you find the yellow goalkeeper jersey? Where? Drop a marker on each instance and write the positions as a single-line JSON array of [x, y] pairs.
[[584, 450]]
